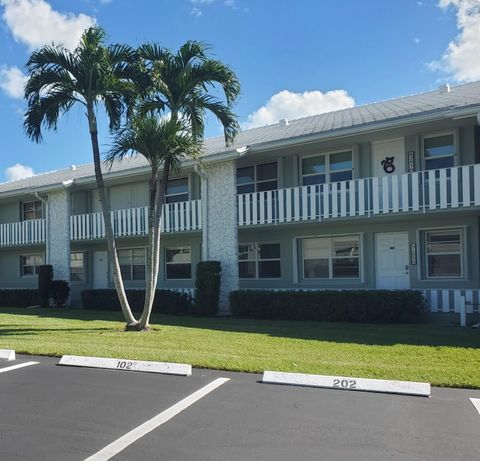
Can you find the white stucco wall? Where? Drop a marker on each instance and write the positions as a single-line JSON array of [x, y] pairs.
[[58, 234], [220, 230]]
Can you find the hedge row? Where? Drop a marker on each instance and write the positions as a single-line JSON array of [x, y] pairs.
[[166, 301], [364, 306], [19, 297]]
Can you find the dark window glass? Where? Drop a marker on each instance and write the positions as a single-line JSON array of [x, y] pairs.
[[444, 265], [77, 268], [269, 250], [269, 269], [246, 175], [179, 271], [341, 161], [313, 165], [439, 146], [267, 171], [316, 268], [315, 179], [340, 176], [345, 267], [269, 185], [246, 189], [247, 269], [436, 163], [178, 263]]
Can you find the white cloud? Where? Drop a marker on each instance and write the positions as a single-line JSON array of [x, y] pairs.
[[12, 81], [196, 12], [18, 171], [286, 104], [461, 58], [35, 23], [417, 40]]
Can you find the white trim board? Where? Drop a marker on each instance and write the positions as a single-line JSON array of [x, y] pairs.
[[127, 365], [348, 383], [7, 354]]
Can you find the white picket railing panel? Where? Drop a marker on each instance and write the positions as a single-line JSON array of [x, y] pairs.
[[422, 191], [32, 231]]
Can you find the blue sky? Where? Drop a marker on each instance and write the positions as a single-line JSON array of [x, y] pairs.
[[293, 58]]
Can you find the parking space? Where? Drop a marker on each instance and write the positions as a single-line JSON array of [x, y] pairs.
[[49, 412]]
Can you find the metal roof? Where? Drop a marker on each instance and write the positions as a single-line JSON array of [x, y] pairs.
[[330, 123]]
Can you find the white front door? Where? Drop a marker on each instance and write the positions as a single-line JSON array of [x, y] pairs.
[[388, 157], [392, 261], [100, 269]]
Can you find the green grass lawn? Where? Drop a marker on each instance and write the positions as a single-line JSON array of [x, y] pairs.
[[441, 355]]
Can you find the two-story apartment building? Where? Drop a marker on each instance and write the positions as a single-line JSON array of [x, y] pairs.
[[385, 195]]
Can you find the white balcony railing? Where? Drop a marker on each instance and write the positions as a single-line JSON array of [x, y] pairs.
[[421, 191], [177, 217], [22, 233]]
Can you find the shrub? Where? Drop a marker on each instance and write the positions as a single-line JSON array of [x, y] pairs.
[[45, 276], [59, 292], [207, 288], [165, 302], [364, 306], [20, 297]]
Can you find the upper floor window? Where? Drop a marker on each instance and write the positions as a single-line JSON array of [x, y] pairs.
[[320, 169], [32, 210], [177, 190], [178, 263], [257, 178], [259, 260], [132, 263], [444, 253], [29, 264], [439, 151], [327, 258]]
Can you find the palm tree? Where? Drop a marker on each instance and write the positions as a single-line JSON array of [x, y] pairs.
[[93, 74], [164, 143], [177, 86]]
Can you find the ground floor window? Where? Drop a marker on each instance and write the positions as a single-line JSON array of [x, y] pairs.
[[178, 263], [330, 258], [259, 260], [444, 253], [29, 264], [77, 267], [132, 263]]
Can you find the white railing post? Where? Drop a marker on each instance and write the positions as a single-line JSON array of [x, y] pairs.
[[463, 311]]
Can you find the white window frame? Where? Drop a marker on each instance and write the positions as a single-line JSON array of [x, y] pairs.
[[462, 253], [328, 172], [181, 247], [331, 257], [257, 260], [35, 267], [131, 263], [84, 274], [438, 134], [182, 193], [35, 209], [255, 181]]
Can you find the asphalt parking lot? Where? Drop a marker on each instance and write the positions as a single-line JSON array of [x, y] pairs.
[[48, 412]]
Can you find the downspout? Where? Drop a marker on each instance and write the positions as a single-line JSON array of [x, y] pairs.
[[47, 227]]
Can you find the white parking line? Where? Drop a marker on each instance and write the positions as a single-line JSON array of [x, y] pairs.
[[16, 367], [476, 403], [123, 442]]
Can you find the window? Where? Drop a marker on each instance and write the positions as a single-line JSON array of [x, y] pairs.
[[32, 210], [327, 258], [259, 260], [257, 178], [132, 263], [439, 151], [444, 253], [178, 263], [29, 264], [324, 168], [77, 267], [177, 190]]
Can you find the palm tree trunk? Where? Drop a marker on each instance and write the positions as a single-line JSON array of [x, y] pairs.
[[154, 266], [112, 248]]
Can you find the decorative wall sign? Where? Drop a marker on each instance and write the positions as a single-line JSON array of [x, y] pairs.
[[413, 254], [411, 161], [388, 165]]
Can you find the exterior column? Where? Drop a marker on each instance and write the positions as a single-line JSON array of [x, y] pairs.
[[58, 234], [220, 224]]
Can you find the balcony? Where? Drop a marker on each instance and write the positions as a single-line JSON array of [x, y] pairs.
[[23, 233], [177, 217], [418, 192]]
